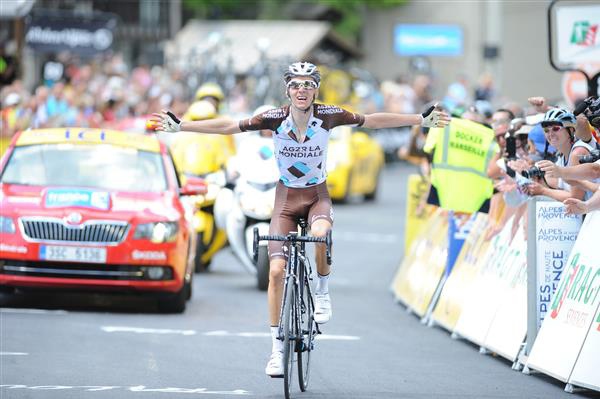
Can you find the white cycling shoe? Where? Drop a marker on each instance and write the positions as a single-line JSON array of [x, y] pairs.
[[275, 366], [322, 308]]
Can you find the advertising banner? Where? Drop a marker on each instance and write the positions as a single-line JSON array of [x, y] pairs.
[[421, 39], [458, 231], [509, 326], [573, 307], [577, 35], [83, 34], [410, 255], [484, 295], [555, 235], [450, 303], [421, 277], [415, 219], [587, 368]]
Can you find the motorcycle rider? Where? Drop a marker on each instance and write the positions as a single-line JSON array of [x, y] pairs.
[[212, 93], [301, 132], [250, 145]]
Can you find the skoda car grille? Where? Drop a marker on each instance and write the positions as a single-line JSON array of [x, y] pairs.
[[56, 230]]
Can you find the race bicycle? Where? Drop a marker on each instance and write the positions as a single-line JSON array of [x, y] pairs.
[[297, 327]]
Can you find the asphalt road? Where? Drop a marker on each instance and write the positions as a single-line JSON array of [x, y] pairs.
[[94, 346]]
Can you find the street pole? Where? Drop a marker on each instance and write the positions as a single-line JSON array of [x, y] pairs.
[[19, 38]]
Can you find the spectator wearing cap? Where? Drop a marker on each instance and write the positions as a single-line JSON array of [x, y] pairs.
[[10, 111]]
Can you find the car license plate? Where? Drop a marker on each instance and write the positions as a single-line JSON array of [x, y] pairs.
[[73, 254]]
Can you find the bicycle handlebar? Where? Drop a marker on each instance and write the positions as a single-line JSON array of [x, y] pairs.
[[292, 237]]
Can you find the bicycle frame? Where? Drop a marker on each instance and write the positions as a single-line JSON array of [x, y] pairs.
[[296, 317]]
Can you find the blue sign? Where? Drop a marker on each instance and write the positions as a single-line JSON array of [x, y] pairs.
[[83, 198], [412, 40], [456, 238]]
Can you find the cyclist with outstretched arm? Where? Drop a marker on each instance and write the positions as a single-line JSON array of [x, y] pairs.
[[301, 134]]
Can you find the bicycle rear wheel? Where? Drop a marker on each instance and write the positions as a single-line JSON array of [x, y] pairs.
[[307, 332], [289, 338]]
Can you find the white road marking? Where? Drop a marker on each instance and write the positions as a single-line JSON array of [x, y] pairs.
[[32, 311], [13, 354], [218, 333], [365, 237], [139, 388], [337, 337], [139, 330]]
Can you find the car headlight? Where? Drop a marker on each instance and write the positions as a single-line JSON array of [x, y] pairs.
[[158, 232], [7, 225]]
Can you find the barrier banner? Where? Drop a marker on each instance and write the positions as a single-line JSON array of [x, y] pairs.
[[587, 368], [555, 235], [483, 296], [509, 326], [457, 234], [417, 280], [450, 303], [410, 255], [573, 308], [414, 218]]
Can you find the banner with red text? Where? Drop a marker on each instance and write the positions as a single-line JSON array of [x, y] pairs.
[[483, 297], [587, 369], [572, 309]]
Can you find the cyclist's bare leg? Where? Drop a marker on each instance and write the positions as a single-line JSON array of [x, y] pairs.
[[319, 228], [275, 290]]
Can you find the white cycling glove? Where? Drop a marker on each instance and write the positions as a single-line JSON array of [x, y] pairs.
[[431, 118], [171, 123]]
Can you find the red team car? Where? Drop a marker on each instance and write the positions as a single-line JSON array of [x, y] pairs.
[[96, 210]]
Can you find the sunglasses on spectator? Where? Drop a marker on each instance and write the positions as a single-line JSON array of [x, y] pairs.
[[307, 84], [553, 128]]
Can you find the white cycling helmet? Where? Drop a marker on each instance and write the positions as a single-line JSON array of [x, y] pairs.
[[302, 69], [559, 116]]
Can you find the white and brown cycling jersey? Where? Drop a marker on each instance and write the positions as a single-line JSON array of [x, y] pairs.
[[302, 164]]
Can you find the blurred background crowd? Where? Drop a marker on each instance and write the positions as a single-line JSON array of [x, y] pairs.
[[151, 55]]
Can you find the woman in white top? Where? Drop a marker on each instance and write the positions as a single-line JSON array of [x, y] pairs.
[[559, 128]]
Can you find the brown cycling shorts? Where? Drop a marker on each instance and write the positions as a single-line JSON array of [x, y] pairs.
[[312, 203]]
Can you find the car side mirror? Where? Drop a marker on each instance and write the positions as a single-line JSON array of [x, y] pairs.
[[194, 186]]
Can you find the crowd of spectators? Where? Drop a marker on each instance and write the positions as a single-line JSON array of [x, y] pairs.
[[98, 93], [103, 91]]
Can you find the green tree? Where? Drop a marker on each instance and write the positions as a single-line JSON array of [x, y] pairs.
[[348, 26]]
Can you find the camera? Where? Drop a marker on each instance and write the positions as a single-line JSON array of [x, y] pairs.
[[590, 107], [533, 172], [593, 157], [511, 143]]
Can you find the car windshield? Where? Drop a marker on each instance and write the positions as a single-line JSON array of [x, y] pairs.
[[103, 166]]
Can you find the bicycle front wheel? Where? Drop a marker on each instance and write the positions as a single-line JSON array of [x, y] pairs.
[[306, 334], [289, 338]]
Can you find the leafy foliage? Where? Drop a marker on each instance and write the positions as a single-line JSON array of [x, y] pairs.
[[348, 25]]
